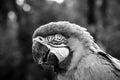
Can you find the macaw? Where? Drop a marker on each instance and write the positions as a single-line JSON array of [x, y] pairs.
[[72, 52]]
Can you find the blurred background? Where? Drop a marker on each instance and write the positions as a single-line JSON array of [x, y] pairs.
[[19, 19]]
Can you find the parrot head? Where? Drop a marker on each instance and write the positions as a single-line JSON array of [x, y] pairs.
[[55, 43], [50, 50]]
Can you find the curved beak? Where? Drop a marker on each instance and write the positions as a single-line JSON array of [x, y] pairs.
[[42, 55]]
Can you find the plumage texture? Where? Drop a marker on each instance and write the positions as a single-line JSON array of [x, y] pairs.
[[86, 61]]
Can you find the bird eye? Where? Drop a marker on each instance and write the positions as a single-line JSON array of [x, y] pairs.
[[58, 37]]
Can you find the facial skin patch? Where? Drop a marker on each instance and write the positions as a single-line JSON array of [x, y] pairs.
[[61, 53]]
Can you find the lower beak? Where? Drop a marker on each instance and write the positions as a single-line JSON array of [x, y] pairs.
[[52, 59]]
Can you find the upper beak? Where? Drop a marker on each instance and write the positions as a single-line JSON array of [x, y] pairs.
[[39, 52], [42, 55]]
